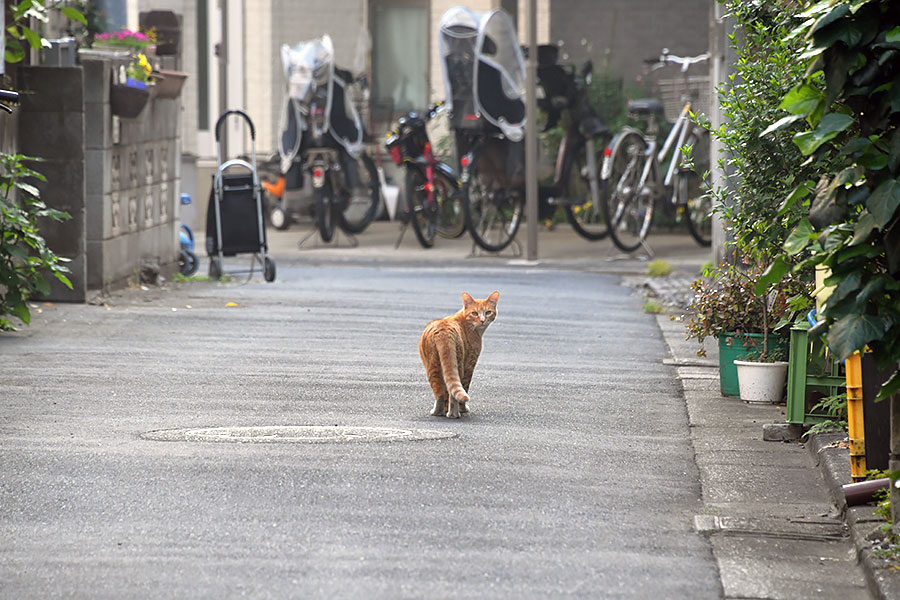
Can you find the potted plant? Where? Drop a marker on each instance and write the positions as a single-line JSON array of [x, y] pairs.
[[128, 99], [762, 373], [726, 307]]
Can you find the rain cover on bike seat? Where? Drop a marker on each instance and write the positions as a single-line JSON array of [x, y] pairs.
[[484, 71], [311, 74]]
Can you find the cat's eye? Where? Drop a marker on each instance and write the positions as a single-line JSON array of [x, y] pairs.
[[488, 313]]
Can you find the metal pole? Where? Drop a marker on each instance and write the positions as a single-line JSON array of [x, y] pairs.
[[531, 142]]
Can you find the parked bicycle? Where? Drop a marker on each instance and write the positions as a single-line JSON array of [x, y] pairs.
[[322, 137], [632, 176], [576, 182], [484, 76], [432, 190]]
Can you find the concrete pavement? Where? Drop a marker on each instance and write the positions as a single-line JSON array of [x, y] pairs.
[[764, 509]]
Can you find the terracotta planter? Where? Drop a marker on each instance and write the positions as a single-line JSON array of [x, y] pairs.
[[170, 84], [126, 101]]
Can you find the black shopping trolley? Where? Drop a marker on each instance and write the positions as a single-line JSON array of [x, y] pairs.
[[234, 218]]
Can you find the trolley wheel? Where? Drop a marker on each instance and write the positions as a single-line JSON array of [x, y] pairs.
[[269, 269], [188, 263], [215, 268], [279, 217]]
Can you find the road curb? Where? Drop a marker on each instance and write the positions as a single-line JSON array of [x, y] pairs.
[[833, 461]]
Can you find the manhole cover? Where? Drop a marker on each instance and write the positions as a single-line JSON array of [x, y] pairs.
[[308, 434]]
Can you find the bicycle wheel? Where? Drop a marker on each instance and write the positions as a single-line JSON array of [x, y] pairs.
[[451, 218], [422, 215], [584, 209], [629, 206], [693, 193], [325, 211], [493, 212], [359, 195]]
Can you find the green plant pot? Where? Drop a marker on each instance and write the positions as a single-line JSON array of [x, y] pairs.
[[738, 349]]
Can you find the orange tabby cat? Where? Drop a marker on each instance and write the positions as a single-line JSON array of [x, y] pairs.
[[449, 348]]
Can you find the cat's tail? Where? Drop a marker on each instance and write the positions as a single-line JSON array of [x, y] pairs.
[[450, 370]]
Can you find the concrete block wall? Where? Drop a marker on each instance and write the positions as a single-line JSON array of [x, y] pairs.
[[132, 185], [52, 127]]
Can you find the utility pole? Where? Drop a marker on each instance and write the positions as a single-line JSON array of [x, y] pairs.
[[531, 183]]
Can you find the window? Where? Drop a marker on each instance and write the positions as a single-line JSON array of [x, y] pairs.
[[400, 57]]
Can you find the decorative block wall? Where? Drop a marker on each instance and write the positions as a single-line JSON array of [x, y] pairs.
[[132, 182]]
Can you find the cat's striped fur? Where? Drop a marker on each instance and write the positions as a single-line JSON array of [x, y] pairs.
[[450, 347]]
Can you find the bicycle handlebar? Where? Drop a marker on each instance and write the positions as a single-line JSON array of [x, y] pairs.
[[684, 61]]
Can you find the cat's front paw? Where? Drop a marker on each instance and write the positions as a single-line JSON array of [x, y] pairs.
[[453, 414], [463, 408]]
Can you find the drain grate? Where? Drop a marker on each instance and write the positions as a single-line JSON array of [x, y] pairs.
[[302, 434]]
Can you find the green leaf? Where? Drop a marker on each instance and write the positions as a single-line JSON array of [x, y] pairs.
[[41, 285], [801, 191], [852, 332], [854, 251], [34, 40], [846, 285], [63, 279], [884, 201], [802, 100], [863, 228], [14, 51], [873, 159], [893, 35], [21, 311], [780, 124], [799, 238], [891, 386], [838, 12], [74, 15], [875, 286], [16, 251], [837, 65], [829, 127], [772, 275]]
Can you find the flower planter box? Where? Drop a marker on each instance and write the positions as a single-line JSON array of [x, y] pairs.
[[170, 84], [127, 101]]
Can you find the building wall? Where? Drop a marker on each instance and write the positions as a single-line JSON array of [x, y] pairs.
[[620, 34]]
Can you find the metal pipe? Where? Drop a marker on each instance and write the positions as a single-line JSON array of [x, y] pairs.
[[863, 491]]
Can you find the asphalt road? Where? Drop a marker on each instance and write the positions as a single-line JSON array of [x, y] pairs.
[[573, 475]]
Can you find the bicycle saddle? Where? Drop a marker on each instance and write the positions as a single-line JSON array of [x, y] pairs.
[[645, 106]]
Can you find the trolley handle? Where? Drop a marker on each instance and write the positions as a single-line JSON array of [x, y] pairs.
[[241, 113], [10, 97]]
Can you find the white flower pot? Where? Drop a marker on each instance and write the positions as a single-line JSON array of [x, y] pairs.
[[761, 382]]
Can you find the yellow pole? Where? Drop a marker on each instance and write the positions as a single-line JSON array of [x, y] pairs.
[[855, 422]]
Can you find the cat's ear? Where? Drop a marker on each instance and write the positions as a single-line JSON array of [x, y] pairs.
[[467, 300], [493, 298]]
